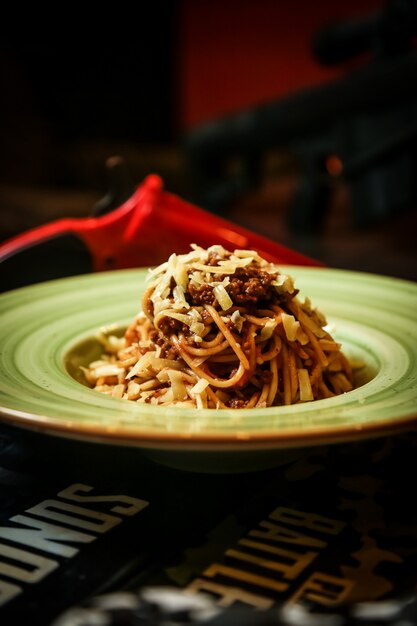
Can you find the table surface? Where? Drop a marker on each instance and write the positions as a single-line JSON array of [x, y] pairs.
[[335, 527]]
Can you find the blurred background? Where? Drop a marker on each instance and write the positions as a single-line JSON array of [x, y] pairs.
[[296, 120]]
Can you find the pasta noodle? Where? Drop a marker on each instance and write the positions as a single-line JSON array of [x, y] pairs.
[[221, 329]]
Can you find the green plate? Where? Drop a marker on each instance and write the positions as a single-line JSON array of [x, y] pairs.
[[47, 331]]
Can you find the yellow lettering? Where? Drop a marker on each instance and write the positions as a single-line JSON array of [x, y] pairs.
[[248, 577], [104, 522], [296, 562], [286, 535], [39, 565], [311, 521], [230, 595], [324, 589]]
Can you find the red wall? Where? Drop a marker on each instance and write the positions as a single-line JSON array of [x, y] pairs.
[[236, 53]]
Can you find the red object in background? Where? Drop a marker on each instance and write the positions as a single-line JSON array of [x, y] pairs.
[[240, 53], [147, 228]]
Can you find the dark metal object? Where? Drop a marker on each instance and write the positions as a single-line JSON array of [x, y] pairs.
[[62, 254], [367, 119], [57, 257], [120, 186]]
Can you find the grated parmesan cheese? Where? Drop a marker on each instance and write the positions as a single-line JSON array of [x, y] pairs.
[[200, 386], [223, 297], [291, 326]]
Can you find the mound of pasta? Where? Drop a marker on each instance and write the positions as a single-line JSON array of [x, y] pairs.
[[221, 329]]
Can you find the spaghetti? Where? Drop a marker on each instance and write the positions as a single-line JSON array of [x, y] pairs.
[[222, 329]]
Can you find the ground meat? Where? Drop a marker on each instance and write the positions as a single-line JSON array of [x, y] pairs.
[[241, 399], [167, 351], [213, 259], [169, 325], [201, 294], [236, 403], [251, 285], [131, 334], [148, 308], [247, 286], [233, 327]]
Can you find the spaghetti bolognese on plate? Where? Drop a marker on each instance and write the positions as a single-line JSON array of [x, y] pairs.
[[49, 330]]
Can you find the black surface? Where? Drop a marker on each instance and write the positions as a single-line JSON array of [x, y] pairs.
[[56, 257], [344, 517]]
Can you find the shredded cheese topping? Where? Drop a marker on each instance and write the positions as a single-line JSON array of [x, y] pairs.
[[221, 329]]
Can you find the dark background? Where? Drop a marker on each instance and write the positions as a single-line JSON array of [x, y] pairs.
[[137, 86]]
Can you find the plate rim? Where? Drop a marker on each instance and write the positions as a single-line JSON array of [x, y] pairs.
[[123, 434]]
